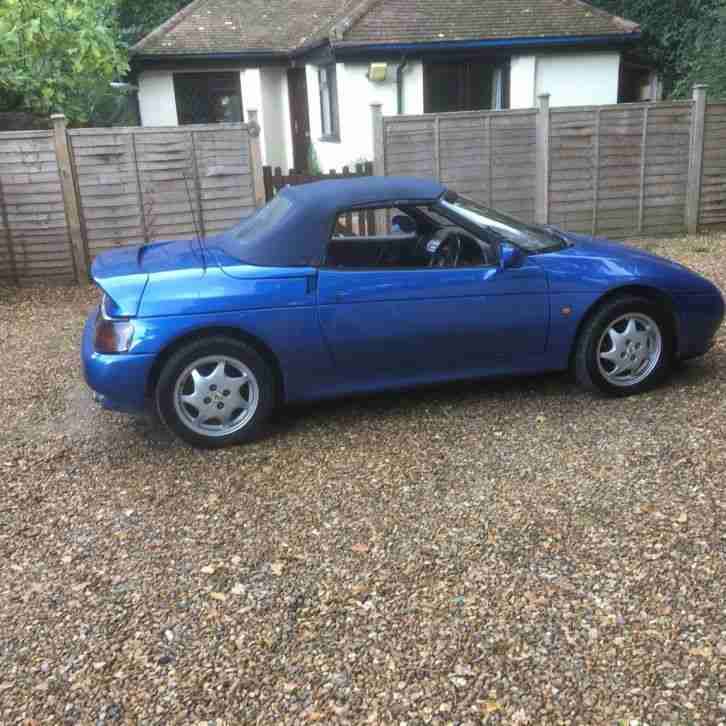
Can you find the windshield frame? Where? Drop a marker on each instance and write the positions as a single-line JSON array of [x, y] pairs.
[[530, 245]]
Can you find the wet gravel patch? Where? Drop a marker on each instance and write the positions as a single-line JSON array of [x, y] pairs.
[[517, 552]]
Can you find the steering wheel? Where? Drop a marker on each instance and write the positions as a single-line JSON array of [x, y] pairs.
[[445, 247]]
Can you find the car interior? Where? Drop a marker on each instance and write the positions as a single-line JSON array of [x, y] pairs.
[[414, 237]]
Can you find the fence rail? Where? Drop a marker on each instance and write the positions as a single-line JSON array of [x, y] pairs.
[[67, 195], [655, 168]]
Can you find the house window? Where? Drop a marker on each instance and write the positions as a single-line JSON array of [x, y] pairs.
[[637, 83], [208, 98], [466, 86], [328, 103]]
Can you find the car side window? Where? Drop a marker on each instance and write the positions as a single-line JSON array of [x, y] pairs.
[[402, 238], [383, 222]]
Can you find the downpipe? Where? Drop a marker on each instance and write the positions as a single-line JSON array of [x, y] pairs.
[[399, 84]]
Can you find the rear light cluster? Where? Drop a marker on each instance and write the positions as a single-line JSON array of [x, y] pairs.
[[113, 335]]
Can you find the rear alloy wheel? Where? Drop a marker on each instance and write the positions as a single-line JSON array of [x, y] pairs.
[[625, 348], [216, 392]]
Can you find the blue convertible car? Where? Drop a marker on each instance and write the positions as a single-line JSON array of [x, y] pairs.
[[358, 285]]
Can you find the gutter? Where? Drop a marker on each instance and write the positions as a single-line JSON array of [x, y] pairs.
[[138, 61], [352, 49]]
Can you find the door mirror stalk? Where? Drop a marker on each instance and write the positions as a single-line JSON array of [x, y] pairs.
[[509, 256]]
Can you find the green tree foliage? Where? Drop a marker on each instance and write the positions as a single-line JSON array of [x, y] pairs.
[[707, 61], [137, 18], [59, 55], [680, 35]]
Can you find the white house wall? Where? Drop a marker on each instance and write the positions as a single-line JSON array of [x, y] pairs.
[[579, 79], [522, 89], [264, 90], [355, 96], [157, 102], [276, 115], [571, 79], [251, 84]]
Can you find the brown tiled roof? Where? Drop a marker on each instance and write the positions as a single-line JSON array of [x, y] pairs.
[[231, 26], [432, 20]]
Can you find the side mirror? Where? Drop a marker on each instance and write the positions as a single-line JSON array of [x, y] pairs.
[[509, 256]]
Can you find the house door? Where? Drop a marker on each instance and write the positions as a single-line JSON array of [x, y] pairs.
[[299, 119]]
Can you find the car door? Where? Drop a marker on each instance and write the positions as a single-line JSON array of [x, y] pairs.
[[430, 322]]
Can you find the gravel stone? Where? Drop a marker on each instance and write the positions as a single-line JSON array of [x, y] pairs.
[[511, 552]]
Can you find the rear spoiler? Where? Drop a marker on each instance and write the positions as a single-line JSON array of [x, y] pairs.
[[118, 273]]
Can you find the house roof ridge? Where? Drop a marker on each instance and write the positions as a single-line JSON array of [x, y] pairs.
[[320, 32], [628, 26], [344, 24], [167, 26]]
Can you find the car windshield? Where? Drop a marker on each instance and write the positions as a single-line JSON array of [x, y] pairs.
[[529, 237]]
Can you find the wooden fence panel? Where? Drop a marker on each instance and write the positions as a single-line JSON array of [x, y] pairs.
[[713, 189], [35, 242], [466, 155], [514, 161], [572, 169], [617, 171], [489, 156], [224, 169], [138, 185], [619, 163], [666, 168], [109, 188], [410, 146]]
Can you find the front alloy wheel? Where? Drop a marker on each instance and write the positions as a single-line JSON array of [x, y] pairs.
[[629, 350], [625, 348]]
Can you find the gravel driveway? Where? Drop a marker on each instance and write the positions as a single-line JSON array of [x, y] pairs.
[[516, 553]]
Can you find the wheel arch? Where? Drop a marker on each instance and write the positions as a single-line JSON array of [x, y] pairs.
[[646, 291], [192, 336]]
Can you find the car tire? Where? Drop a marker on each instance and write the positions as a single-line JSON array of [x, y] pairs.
[[626, 331], [216, 392]]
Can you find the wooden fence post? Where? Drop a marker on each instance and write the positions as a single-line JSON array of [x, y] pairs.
[[542, 181], [258, 182], [378, 219], [267, 182], [695, 165], [8, 236], [379, 160], [596, 171], [643, 164], [197, 187], [70, 200]]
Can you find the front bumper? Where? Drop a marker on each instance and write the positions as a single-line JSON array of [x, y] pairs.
[[119, 381], [700, 317]]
